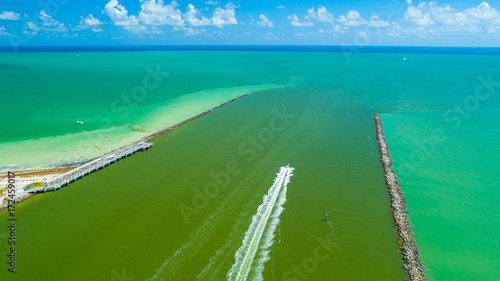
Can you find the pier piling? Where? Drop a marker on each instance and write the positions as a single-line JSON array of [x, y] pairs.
[[92, 166]]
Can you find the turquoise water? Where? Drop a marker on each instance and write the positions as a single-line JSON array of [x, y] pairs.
[[445, 147], [128, 215], [121, 97]]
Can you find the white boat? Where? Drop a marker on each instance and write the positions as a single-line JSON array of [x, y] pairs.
[[79, 122]]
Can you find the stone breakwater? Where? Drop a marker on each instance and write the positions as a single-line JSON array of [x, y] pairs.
[[162, 132], [412, 262], [25, 195]]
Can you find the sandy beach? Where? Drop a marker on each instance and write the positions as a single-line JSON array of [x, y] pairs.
[[23, 178], [73, 149]]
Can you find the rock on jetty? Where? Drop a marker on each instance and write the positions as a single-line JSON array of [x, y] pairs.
[[96, 164], [157, 134], [411, 258]]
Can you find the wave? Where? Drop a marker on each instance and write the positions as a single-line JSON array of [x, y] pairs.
[[260, 234]]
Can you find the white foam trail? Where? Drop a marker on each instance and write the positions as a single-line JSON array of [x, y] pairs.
[[216, 262], [263, 224], [171, 265], [269, 233]]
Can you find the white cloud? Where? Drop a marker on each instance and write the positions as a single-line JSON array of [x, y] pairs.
[[270, 36], [224, 16], [321, 15], [3, 31], [119, 16], [155, 12], [47, 20], [90, 21], [210, 2], [265, 21], [30, 28], [363, 33], [193, 32], [6, 15], [50, 24], [417, 16], [191, 17], [294, 20], [280, 7], [376, 22], [155, 30], [395, 30], [230, 5], [482, 12], [445, 20], [353, 18], [220, 17]]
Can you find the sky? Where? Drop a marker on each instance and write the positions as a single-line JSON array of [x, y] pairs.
[[461, 23]]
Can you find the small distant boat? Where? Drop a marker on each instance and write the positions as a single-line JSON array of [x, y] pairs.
[[404, 58], [79, 122], [78, 56]]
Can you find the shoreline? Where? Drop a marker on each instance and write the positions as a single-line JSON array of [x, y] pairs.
[[412, 263], [106, 131], [27, 176]]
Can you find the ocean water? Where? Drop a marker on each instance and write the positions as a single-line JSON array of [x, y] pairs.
[[120, 96], [447, 156], [146, 216]]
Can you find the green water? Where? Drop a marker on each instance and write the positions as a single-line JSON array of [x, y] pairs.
[[128, 216], [451, 183], [120, 96]]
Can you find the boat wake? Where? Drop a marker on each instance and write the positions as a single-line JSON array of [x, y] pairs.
[[260, 234], [171, 265]]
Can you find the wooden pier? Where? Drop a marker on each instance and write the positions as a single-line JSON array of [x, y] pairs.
[[105, 160], [93, 166]]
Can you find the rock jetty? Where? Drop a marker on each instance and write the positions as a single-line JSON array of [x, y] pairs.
[[412, 262], [162, 132], [25, 195]]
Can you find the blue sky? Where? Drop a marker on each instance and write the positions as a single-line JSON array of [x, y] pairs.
[[242, 22]]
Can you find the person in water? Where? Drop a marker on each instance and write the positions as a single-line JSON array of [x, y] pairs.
[[326, 216]]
